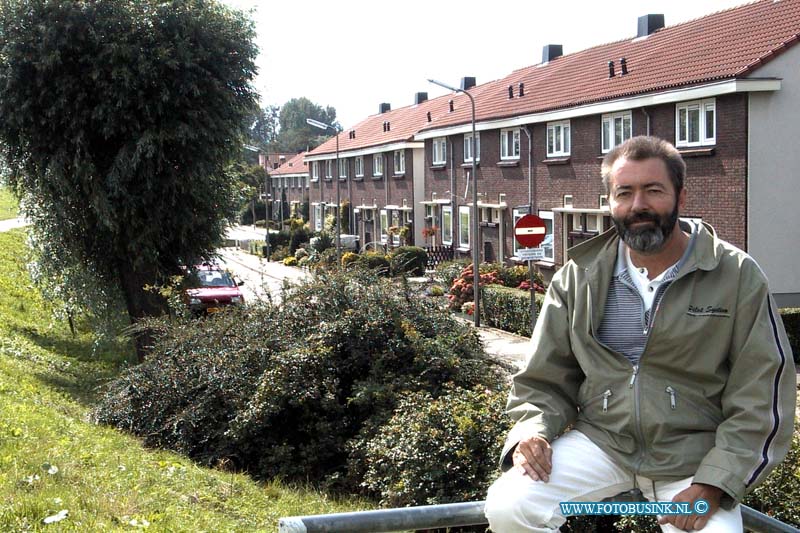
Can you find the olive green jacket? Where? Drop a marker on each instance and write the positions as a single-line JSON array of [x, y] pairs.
[[713, 395]]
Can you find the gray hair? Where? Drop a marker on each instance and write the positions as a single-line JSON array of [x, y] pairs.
[[646, 147]]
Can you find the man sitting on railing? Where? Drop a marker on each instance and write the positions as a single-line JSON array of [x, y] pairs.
[[660, 367]]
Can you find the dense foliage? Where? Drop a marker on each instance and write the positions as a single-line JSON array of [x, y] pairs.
[[117, 121], [294, 390], [410, 260], [508, 309]]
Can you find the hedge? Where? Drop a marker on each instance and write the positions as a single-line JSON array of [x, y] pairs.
[[791, 321], [508, 309]]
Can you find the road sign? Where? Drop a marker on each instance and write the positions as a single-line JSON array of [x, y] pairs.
[[530, 231], [530, 254]]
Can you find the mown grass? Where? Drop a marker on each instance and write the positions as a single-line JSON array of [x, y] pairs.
[[52, 458], [8, 204]]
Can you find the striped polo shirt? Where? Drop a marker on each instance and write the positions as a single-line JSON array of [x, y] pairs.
[[627, 320]]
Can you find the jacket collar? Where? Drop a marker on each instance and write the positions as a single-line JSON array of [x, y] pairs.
[[601, 252]]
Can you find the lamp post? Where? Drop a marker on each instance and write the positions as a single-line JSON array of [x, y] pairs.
[[476, 256], [323, 126]]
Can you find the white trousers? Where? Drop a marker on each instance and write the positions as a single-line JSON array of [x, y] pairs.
[[581, 472]]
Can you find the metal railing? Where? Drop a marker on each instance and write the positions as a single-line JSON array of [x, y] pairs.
[[451, 515]]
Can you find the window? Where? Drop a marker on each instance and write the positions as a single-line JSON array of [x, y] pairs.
[[447, 224], [567, 200], [509, 144], [517, 214], [360, 166], [547, 243], [696, 123], [558, 141], [468, 147], [440, 151], [328, 169], [315, 171], [307, 184], [463, 226], [603, 201], [343, 169], [616, 129], [384, 225], [399, 161], [318, 217], [377, 165]]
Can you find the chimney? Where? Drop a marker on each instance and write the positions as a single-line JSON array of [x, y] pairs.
[[649, 24], [610, 69], [623, 65], [467, 82], [384, 107], [420, 97], [551, 51]]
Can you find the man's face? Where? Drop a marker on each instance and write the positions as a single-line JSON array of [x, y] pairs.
[[644, 204]]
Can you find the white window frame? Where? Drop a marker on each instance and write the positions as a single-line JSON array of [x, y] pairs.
[[509, 152], [377, 165], [548, 216], [610, 125], [558, 139], [517, 214], [329, 169], [439, 151], [602, 201], [315, 171], [468, 147], [359, 164], [307, 182], [318, 219], [399, 162], [343, 168], [464, 215], [447, 224], [702, 107], [384, 221]]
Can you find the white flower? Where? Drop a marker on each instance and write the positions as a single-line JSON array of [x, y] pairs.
[[58, 517]]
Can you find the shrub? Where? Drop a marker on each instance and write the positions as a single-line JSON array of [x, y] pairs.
[[300, 235], [323, 241], [376, 261], [282, 390], [437, 450], [410, 260], [279, 238], [349, 258], [780, 492], [508, 309], [290, 261], [279, 253], [301, 253], [446, 272], [461, 291], [435, 290], [791, 321]]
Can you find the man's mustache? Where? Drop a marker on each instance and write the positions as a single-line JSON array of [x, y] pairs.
[[644, 216]]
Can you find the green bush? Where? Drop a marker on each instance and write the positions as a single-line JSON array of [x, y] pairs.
[[409, 260], [279, 253], [780, 492], [300, 253], [791, 321], [299, 236], [349, 258], [280, 238], [436, 450], [508, 309], [322, 242], [287, 390], [375, 261], [447, 271]]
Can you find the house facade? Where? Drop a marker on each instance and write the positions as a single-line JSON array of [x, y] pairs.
[[724, 96], [289, 190]]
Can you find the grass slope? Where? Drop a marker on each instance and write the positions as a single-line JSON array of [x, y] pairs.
[[53, 460], [8, 204]]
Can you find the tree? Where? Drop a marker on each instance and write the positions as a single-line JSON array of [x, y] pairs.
[[295, 134], [117, 120], [264, 127]]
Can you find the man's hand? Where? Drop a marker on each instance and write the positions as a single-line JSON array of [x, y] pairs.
[[534, 455], [697, 491]]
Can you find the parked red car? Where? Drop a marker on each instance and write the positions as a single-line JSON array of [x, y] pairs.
[[209, 289]]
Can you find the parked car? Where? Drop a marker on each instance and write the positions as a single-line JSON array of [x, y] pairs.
[[209, 289]]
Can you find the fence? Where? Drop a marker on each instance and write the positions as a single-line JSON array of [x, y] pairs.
[[437, 255]]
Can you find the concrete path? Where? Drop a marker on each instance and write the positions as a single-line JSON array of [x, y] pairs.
[[12, 223]]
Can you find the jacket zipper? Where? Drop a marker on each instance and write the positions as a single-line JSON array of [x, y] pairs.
[[673, 395], [669, 390], [604, 396]]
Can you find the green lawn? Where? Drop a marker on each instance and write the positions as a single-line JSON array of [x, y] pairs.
[[53, 459], [8, 204]]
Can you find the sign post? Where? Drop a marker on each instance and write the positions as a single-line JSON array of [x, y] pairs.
[[530, 231]]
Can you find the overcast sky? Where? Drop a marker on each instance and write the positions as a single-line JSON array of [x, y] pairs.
[[355, 54]]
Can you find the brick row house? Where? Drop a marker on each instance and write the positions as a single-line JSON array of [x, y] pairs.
[[724, 89], [289, 180]]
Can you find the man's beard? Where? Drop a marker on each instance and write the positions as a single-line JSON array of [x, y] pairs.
[[646, 239]]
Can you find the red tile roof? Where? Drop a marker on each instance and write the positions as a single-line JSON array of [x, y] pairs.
[[727, 44], [295, 165]]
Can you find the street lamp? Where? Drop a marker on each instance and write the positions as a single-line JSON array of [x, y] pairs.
[[323, 126], [476, 256]]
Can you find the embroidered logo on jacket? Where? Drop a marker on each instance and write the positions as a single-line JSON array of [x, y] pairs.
[[709, 310]]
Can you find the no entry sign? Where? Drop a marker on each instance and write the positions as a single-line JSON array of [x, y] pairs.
[[530, 231]]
